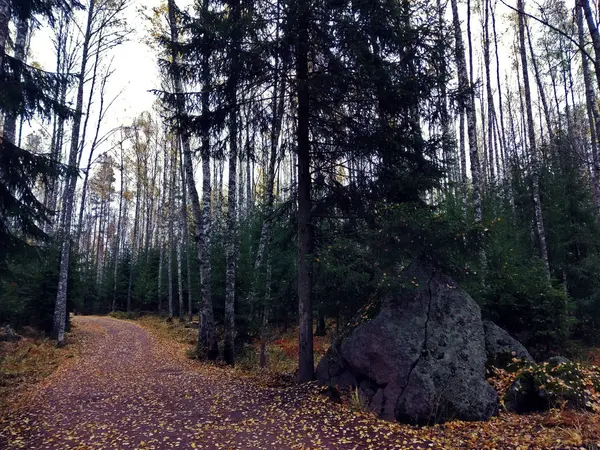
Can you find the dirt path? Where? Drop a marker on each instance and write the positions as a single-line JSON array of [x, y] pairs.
[[127, 391]]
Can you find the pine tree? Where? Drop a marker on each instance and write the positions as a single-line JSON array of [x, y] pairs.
[[25, 91]]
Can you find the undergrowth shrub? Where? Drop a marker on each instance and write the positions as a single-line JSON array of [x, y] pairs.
[[122, 315], [569, 385]]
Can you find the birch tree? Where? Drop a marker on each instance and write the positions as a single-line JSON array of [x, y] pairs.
[[534, 162]]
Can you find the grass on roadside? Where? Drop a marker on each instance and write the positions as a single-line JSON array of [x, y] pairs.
[[27, 362]]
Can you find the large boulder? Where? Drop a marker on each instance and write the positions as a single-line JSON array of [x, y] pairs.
[[501, 347], [421, 359]]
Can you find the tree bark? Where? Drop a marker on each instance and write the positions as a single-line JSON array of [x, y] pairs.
[[305, 335], [171, 240], [262, 254], [466, 101], [592, 111], [232, 223], [207, 343], [180, 281], [535, 169], [186, 236], [10, 121], [541, 91], [490, 95], [51, 195], [118, 237], [4, 30], [60, 309], [134, 240], [500, 105], [594, 33]]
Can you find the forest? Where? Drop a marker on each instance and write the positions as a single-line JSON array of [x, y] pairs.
[[306, 166]]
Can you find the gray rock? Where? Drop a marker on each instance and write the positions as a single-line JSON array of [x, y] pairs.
[[556, 360], [501, 347], [423, 354]]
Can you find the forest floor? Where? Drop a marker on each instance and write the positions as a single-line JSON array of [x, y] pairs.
[[133, 387]]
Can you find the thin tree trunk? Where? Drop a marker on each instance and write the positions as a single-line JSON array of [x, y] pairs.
[[594, 33], [264, 328], [180, 282], [592, 111], [207, 343], [60, 310], [500, 105], [136, 220], [232, 223], [93, 147], [484, 142], [467, 103], [4, 29], [262, 255], [118, 237], [249, 202], [541, 91], [51, 198], [186, 236], [490, 95], [305, 335], [171, 239], [10, 121], [161, 257], [535, 169], [463, 153]]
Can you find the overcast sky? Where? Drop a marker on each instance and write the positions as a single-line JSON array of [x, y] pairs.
[[136, 71]]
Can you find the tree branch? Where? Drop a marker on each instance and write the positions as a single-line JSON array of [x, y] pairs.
[[552, 27]]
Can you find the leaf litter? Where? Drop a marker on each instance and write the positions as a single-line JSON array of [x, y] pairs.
[[131, 388]]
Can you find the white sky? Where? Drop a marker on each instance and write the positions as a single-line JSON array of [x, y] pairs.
[[135, 63], [137, 72]]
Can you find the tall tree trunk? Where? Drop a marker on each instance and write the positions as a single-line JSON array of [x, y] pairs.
[[186, 236], [161, 257], [500, 100], [118, 237], [466, 99], [150, 189], [262, 254], [541, 90], [594, 33], [484, 142], [207, 343], [592, 111], [305, 314], [51, 197], [60, 309], [4, 29], [231, 244], [535, 169], [180, 281], [171, 240], [94, 144], [249, 202], [264, 328], [462, 149], [490, 95], [134, 241], [10, 121]]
